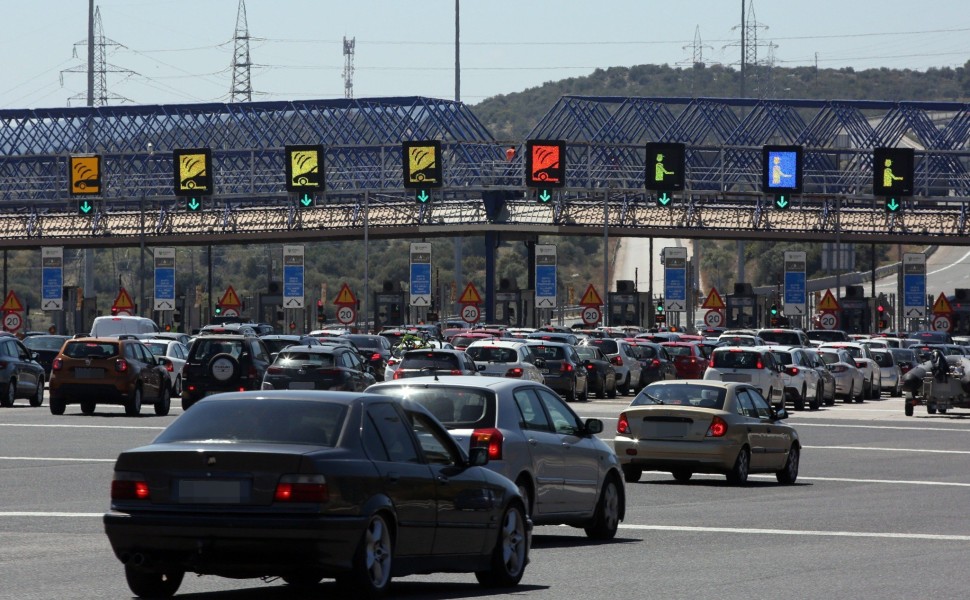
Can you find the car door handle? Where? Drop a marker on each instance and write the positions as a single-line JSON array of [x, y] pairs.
[[392, 477], [533, 441], [442, 479]]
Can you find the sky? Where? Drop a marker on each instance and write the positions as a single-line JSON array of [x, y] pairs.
[[181, 51]]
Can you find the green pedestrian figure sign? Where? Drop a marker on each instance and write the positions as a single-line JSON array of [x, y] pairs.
[[665, 167]]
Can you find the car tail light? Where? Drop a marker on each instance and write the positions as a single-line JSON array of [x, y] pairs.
[[398, 374], [655, 363], [454, 372], [375, 356], [490, 438], [514, 372], [759, 365], [127, 485], [57, 365], [617, 360], [718, 427], [392, 361], [792, 370], [121, 365], [623, 424], [566, 367], [252, 373], [274, 370], [839, 368], [302, 488], [858, 365], [590, 367], [169, 366]]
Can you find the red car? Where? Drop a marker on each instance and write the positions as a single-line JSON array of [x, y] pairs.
[[688, 359]]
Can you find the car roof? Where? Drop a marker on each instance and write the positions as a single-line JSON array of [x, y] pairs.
[[325, 349], [480, 382], [499, 343]]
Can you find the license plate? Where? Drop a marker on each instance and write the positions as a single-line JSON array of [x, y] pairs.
[[544, 371], [208, 491], [664, 429], [302, 385], [740, 377], [88, 373]]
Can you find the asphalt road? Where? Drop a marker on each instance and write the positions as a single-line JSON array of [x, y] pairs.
[[878, 512]]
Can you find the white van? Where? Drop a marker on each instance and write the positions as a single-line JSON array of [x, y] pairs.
[[115, 326]]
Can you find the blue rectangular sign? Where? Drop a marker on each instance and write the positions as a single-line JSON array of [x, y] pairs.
[[675, 285], [795, 288], [546, 281], [293, 281], [52, 283], [914, 290], [165, 284], [421, 279]]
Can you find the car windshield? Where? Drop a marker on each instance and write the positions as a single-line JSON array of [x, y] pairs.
[[829, 358], [430, 360], [157, 348], [315, 359], [93, 350], [785, 338], [455, 407], [38, 342], [259, 421], [701, 396], [492, 354], [736, 359]]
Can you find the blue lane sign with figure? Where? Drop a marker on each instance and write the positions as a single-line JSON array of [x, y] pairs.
[[675, 279], [546, 278], [914, 285], [796, 300], [420, 274], [52, 278], [164, 279]]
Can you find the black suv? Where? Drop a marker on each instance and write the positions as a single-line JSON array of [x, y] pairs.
[[223, 363]]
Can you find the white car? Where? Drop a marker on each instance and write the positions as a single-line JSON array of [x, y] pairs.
[[802, 382], [740, 339], [176, 353], [500, 358], [872, 385], [750, 364], [891, 375]]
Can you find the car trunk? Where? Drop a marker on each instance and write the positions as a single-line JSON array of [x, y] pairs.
[[669, 424]]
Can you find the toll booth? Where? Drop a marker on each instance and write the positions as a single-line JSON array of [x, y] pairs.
[[855, 311], [390, 307], [743, 308], [508, 304], [625, 305], [961, 311]]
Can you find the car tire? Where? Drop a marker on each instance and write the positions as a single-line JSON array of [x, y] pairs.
[[223, 368], [38, 398], [303, 581], [164, 402], [625, 388], [898, 390], [771, 392], [611, 393], [941, 410], [798, 399], [186, 403], [908, 409], [866, 390], [601, 388], [861, 396], [931, 408], [571, 392], [57, 406], [682, 475], [177, 388], [133, 404], [631, 474], [87, 407], [606, 519], [742, 464], [9, 394], [149, 584], [816, 402], [370, 573], [584, 397], [511, 552], [829, 401], [789, 473]]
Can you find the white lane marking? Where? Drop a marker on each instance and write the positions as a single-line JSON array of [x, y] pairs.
[[49, 514], [802, 532], [951, 265], [876, 449], [54, 458], [664, 475], [901, 427], [66, 426]]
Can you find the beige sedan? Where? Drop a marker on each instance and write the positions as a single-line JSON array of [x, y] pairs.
[[688, 427]]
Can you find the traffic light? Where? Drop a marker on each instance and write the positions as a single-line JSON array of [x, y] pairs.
[[774, 310], [659, 316], [321, 315], [114, 311], [218, 310], [881, 322], [773, 319]]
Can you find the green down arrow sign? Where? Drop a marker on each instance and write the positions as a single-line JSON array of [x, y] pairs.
[[664, 199], [423, 196], [193, 204], [892, 205], [85, 207], [306, 200], [544, 196], [782, 202]]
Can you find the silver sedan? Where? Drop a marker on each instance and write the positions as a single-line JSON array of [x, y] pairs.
[[849, 380]]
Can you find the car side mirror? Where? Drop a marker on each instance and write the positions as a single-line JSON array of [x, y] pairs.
[[480, 367], [780, 414], [478, 456], [594, 426]]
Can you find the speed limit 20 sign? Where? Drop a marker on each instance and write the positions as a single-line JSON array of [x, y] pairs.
[[591, 315], [346, 315], [470, 313]]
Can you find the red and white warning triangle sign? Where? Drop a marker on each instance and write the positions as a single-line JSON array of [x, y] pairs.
[[12, 303], [591, 298], [470, 295], [123, 303], [828, 302], [230, 299], [345, 297], [714, 301]]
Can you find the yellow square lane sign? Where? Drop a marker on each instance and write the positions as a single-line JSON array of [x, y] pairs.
[[422, 164], [85, 175], [193, 172]]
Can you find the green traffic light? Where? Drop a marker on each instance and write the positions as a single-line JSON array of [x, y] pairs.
[[774, 310]]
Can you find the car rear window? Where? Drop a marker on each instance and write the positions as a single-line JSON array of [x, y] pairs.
[[455, 407], [93, 350], [700, 396], [679, 350], [464, 341], [737, 360], [549, 352], [784, 358], [608, 346], [430, 360], [903, 355], [316, 359], [156, 348], [258, 421], [277, 344], [785, 338], [829, 358], [204, 349], [883, 359], [492, 354]]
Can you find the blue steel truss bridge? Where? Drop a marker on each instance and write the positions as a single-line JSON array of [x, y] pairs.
[[483, 191]]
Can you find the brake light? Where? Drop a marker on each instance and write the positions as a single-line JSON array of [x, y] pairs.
[[302, 488], [655, 362], [129, 486], [590, 367], [392, 361], [623, 424], [491, 439], [454, 372], [398, 374], [121, 365], [252, 373], [858, 365], [566, 367], [57, 365], [617, 360], [718, 427], [793, 370], [759, 365], [169, 367], [515, 372], [375, 356]]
